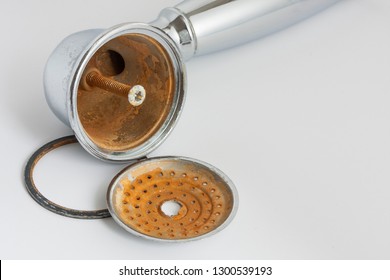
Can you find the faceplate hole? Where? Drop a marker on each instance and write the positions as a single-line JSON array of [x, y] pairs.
[[171, 208]]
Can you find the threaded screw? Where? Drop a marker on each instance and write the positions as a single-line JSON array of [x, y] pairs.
[[136, 94]]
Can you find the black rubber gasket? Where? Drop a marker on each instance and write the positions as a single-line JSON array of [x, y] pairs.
[[43, 201]]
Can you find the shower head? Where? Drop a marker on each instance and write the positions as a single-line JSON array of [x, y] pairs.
[[122, 90]]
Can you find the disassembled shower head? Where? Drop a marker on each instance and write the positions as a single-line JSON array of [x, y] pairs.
[[122, 90], [139, 198]]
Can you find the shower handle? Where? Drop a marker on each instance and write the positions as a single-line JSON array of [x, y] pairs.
[[203, 26]]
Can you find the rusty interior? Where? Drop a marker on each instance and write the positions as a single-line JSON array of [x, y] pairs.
[[107, 118], [206, 200]]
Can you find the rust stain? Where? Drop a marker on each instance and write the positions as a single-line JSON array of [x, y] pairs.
[[205, 203], [108, 118]]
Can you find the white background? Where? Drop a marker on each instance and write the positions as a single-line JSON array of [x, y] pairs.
[[299, 120]]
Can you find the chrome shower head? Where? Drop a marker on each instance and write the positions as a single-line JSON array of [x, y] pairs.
[[122, 89]]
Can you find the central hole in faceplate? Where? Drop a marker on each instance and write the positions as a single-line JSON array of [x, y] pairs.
[[171, 208]]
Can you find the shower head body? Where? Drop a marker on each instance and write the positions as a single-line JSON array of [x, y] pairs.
[[152, 56]]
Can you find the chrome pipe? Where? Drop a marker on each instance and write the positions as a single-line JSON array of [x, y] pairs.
[[204, 26]]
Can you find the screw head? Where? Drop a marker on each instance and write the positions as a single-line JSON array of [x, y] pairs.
[[137, 95]]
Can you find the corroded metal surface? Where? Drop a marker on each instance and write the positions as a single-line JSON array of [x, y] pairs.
[[108, 118], [206, 199], [42, 200]]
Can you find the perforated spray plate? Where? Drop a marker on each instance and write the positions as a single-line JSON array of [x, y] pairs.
[[172, 199]]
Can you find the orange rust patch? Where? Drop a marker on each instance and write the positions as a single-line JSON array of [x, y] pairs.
[[108, 118], [206, 203]]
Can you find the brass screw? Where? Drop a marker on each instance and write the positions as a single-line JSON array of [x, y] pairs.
[[136, 94]]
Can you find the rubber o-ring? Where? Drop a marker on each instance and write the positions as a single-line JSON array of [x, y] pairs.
[[42, 200]]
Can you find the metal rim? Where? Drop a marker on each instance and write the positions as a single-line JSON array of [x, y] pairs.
[[165, 130], [42, 200], [211, 168]]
